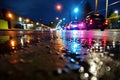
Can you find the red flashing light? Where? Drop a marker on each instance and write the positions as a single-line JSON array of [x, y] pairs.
[[81, 24], [106, 22], [67, 26], [91, 21]]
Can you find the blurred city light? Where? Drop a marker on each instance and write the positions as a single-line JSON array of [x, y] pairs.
[[27, 20], [116, 11], [37, 23], [76, 10], [20, 19], [10, 15], [56, 18], [64, 19], [60, 20], [32, 22], [81, 69], [86, 75], [94, 78], [51, 22], [59, 7], [13, 43], [42, 25]]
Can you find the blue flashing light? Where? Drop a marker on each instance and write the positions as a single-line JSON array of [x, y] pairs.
[[74, 25], [64, 19], [76, 10]]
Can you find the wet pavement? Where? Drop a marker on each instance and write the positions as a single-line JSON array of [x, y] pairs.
[[60, 55]]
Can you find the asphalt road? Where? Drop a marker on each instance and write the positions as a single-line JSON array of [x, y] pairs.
[[60, 55]]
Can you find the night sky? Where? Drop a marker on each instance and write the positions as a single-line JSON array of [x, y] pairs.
[[44, 10]]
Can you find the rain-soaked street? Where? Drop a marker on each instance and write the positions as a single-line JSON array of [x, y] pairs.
[[60, 55]]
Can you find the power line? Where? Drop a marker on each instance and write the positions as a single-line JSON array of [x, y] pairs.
[[108, 5], [114, 3]]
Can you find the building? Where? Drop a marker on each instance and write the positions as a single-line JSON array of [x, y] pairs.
[[10, 20]]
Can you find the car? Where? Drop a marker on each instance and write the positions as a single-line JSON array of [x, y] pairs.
[[75, 25], [96, 21]]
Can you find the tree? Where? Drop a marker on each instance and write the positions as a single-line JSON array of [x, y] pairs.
[[110, 12], [87, 9], [113, 18], [19, 26], [52, 24]]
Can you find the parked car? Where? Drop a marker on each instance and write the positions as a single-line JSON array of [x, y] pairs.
[[96, 21]]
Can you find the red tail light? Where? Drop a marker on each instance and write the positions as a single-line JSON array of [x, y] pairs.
[[81, 24], [67, 26], [106, 22], [91, 21]]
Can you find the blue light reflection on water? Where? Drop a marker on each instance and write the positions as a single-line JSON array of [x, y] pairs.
[[100, 49], [71, 41], [76, 41]]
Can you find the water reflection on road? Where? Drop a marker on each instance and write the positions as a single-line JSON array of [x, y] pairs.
[[10, 44], [94, 55]]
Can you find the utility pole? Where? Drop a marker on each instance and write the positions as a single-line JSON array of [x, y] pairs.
[[70, 14], [106, 8], [96, 6]]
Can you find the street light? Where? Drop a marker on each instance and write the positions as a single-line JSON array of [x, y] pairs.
[[10, 15], [116, 12], [106, 8], [63, 19], [76, 11], [56, 18], [59, 8], [37, 23], [27, 20], [20, 19], [51, 22]]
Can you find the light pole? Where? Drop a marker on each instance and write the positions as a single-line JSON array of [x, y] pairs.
[[59, 8], [96, 6], [106, 8], [70, 14], [76, 11]]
